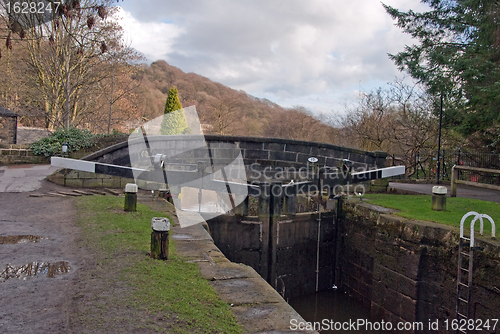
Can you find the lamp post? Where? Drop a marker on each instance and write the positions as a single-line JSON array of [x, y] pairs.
[[439, 141]]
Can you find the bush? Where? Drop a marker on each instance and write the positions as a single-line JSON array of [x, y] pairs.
[[75, 138]]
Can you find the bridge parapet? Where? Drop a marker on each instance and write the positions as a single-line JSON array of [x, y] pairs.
[[258, 153]]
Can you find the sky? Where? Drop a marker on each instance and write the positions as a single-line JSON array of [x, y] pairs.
[[319, 54]]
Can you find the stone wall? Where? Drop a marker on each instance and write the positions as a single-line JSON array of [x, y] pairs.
[[407, 270], [254, 303], [272, 152], [19, 154], [257, 153], [8, 129], [289, 262], [79, 179]]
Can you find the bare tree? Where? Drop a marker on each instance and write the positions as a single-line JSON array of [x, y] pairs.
[[368, 124], [222, 114], [413, 127], [398, 120], [297, 123], [69, 56], [124, 79]]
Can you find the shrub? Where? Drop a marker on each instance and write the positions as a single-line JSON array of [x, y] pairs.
[[75, 138]]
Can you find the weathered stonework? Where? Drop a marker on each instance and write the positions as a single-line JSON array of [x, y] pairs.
[[406, 270], [8, 127], [79, 179], [19, 154], [240, 238], [259, 152]]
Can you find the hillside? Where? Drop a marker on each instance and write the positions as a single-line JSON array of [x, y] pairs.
[[224, 110], [136, 94]]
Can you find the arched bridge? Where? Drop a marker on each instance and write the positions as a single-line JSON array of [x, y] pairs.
[[263, 151]]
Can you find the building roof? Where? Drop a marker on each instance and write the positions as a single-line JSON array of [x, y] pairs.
[[6, 112]]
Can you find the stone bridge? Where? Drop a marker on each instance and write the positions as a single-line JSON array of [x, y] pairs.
[[273, 152], [257, 152]]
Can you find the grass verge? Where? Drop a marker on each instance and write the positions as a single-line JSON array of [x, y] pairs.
[[129, 291], [418, 207]]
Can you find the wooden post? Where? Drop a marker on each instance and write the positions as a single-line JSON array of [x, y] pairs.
[[130, 197], [159, 238], [454, 178]]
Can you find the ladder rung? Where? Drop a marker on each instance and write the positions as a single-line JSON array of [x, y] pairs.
[[465, 254], [465, 238], [463, 284], [461, 315], [467, 270], [463, 300]]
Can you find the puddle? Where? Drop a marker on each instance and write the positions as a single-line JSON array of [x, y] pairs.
[[34, 269], [19, 239]]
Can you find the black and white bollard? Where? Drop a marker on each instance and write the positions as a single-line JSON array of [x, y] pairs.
[[159, 238], [439, 198], [130, 197]]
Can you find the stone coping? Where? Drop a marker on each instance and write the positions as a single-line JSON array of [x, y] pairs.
[[221, 138]]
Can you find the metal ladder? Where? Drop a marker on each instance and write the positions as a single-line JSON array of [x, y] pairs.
[[464, 290]]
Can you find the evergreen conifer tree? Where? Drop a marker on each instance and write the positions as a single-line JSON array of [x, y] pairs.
[[174, 121], [173, 102], [457, 56]]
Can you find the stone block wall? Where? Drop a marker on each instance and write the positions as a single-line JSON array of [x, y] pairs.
[[79, 179], [8, 129], [257, 153], [406, 270], [19, 154], [241, 239]]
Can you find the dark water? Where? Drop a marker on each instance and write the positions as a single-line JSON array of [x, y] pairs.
[[332, 308]]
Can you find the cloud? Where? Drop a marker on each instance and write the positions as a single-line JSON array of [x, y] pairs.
[[313, 50], [153, 39]]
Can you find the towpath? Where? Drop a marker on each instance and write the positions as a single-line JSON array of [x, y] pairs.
[[39, 252]]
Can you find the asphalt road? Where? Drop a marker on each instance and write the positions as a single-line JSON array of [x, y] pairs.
[[462, 190], [23, 178]]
